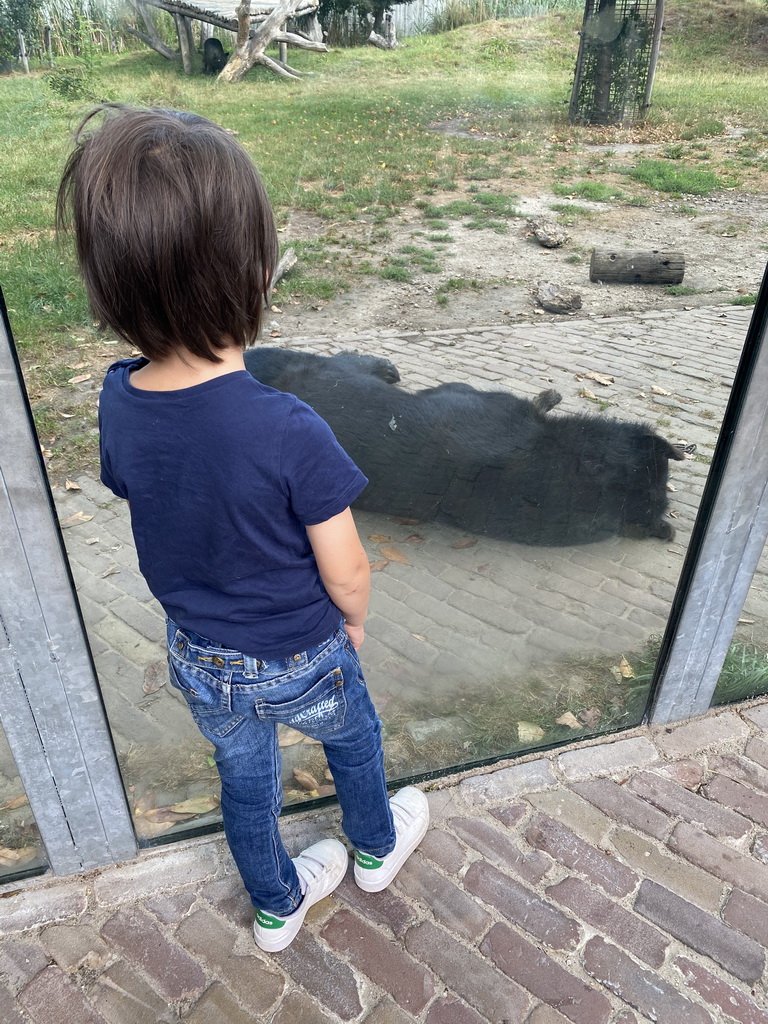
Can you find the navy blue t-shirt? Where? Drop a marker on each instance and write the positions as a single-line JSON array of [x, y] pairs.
[[222, 479]]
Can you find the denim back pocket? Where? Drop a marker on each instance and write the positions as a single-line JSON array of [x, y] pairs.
[[208, 697], [317, 712]]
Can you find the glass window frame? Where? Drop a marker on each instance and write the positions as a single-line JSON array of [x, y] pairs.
[[50, 702]]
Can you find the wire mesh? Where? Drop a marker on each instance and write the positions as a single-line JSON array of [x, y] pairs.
[[614, 61]]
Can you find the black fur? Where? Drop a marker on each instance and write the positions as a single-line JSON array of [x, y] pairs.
[[487, 462], [214, 56]]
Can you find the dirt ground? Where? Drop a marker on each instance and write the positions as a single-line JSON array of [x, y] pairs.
[[724, 239]]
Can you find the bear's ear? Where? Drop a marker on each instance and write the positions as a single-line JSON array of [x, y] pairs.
[[663, 449]]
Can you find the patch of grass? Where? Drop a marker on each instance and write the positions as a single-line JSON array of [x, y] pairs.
[[659, 175], [744, 673], [396, 272], [574, 258], [593, 190], [483, 210], [675, 151], [703, 129], [455, 284], [744, 300], [639, 201], [681, 289], [441, 237]]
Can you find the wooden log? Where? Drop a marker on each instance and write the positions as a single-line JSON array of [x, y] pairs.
[[628, 266], [152, 37], [184, 50], [23, 52]]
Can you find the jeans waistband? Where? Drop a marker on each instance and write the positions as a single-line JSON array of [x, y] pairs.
[[199, 650]]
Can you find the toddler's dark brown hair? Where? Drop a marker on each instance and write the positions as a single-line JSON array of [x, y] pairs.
[[174, 232]]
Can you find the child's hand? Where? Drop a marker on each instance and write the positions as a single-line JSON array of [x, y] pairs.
[[356, 635]]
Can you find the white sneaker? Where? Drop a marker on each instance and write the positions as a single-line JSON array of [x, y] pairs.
[[411, 813], [320, 869]]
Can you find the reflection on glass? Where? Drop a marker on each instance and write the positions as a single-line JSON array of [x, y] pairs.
[[21, 850], [523, 559], [745, 671]]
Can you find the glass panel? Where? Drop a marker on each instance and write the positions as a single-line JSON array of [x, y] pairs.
[[516, 603], [21, 850], [745, 670]]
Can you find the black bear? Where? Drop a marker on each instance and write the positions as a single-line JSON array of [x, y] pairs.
[[214, 56], [487, 462]]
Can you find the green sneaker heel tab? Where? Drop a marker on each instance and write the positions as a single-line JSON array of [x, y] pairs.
[[268, 921], [365, 860]]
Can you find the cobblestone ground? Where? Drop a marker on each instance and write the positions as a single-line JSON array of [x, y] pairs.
[[614, 884]]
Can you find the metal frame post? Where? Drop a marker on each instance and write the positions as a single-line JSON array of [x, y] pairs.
[[728, 540], [50, 704]]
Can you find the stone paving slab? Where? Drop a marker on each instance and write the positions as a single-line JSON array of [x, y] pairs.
[[515, 909]]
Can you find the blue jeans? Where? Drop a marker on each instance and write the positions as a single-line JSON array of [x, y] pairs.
[[238, 701]]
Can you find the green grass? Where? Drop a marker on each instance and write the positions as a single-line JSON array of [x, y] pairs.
[[681, 289], [664, 177], [744, 300], [596, 191]]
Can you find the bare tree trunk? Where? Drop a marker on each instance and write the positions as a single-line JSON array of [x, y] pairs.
[[250, 48], [47, 45]]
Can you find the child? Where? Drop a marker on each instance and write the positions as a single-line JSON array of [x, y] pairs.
[[239, 497]]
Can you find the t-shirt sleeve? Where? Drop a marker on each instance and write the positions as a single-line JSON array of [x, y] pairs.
[[106, 475], [321, 478]]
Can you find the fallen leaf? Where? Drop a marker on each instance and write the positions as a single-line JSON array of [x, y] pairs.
[[394, 554], [70, 485], [158, 815], [78, 366], [304, 779], [155, 676], [149, 829], [407, 521], [527, 732], [379, 538], [484, 570], [627, 672], [66, 415], [91, 540], [81, 378], [591, 716], [586, 393], [659, 391], [418, 636], [415, 538], [113, 570], [146, 802], [673, 513], [463, 544], [378, 566], [286, 737], [326, 790], [78, 517], [15, 858], [569, 719], [197, 805], [275, 309], [15, 803], [601, 378]]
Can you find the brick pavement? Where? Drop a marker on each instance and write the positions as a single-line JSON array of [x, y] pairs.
[[615, 883]]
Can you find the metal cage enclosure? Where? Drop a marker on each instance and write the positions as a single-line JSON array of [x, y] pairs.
[[617, 61]]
